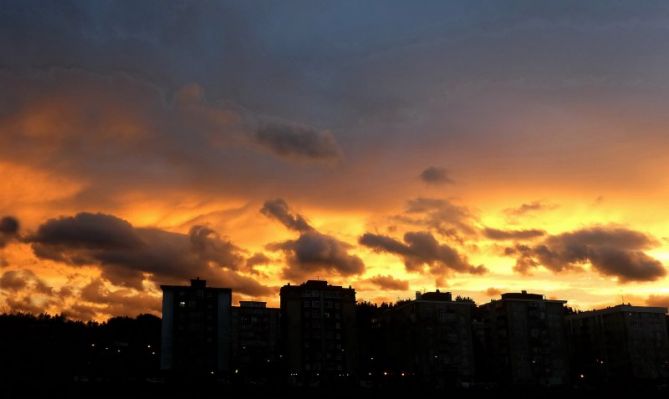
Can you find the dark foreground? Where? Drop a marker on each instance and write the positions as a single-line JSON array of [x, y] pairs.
[[165, 390]]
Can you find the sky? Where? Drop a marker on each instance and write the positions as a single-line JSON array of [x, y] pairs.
[[477, 147]]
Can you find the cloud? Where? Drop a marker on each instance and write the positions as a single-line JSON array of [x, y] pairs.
[[256, 259], [210, 246], [9, 230], [435, 175], [17, 280], [420, 249], [106, 134], [298, 142], [493, 292], [26, 304], [497, 234], [119, 302], [312, 251], [24, 291], [529, 207], [279, 210], [389, 282], [658, 300], [12, 281], [441, 215], [127, 255], [87, 231], [611, 251]]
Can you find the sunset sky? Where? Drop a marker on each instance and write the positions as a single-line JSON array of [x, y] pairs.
[[477, 147]]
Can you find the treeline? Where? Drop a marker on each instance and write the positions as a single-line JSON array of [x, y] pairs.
[[45, 348]]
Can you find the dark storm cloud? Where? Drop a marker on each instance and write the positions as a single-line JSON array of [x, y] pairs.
[[313, 251], [497, 234], [298, 142], [419, 249], [127, 254], [279, 210], [389, 282], [612, 251], [9, 230], [435, 175]]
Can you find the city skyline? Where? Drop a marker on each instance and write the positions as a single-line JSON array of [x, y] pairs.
[[471, 147]]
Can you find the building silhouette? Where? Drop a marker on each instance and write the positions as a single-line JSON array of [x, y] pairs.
[[196, 329], [255, 341], [430, 340], [524, 341], [318, 330], [619, 344], [320, 336]]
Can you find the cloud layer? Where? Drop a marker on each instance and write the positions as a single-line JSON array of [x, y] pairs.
[[128, 255], [312, 252], [611, 251], [421, 249]]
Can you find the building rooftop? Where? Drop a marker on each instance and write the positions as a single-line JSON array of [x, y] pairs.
[[315, 284], [522, 295], [434, 296], [195, 283], [622, 308]]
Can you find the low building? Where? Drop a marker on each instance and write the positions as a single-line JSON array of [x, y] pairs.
[[318, 330], [196, 329], [619, 344], [429, 340], [523, 340]]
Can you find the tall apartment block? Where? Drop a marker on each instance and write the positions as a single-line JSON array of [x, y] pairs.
[[524, 340], [196, 328], [255, 339], [430, 339], [619, 344], [318, 330]]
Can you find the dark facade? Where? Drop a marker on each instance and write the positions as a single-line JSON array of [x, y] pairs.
[[430, 340], [523, 340], [255, 340], [318, 330], [196, 328], [619, 344]]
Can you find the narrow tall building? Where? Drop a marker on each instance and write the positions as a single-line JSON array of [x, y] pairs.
[[620, 344], [318, 330], [196, 328], [430, 339], [524, 340]]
